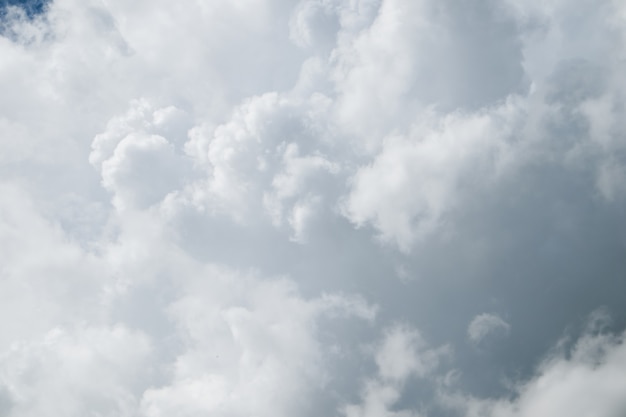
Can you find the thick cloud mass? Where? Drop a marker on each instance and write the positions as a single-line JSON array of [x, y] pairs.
[[302, 208]]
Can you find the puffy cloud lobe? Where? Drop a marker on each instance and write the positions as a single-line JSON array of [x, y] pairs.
[[418, 178], [235, 154], [264, 159], [140, 168], [137, 161]]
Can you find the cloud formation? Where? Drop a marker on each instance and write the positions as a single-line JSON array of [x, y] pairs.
[[306, 207]]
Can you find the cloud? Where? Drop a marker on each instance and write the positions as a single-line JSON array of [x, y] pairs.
[[155, 329], [77, 371], [586, 378], [401, 355], [250, 347], [436, 160], [130, 155], [486, 324], [205, 208]]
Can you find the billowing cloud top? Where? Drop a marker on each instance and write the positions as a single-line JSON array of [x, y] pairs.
[[274, 208]]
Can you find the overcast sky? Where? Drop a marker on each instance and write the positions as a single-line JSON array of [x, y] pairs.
[[313, 208]]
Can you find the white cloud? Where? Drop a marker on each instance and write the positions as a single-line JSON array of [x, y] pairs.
[[139, 165], [78, 371], [250, 348], [226, 335], [139, 160], [190, 191], [586, 380], [45, 277], [402, 355], [418, 178]]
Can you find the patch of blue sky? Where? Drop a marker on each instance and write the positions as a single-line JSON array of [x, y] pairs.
[[32, 8]]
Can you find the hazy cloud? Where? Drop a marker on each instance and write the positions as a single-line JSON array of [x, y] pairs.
[[485, 324]]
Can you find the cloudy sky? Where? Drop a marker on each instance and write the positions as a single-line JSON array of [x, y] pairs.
[[316, 208]]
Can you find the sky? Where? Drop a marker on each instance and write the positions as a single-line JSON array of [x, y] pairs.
[[316, 208]]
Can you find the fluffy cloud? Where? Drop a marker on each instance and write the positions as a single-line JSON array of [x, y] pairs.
[[205, 207], [250, 348], [154, 330], [438, 160], [130, 154]]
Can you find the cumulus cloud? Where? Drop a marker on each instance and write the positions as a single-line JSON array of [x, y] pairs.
[[156, 331], [249, 348], [436, 160], [205, 208], [137, 165]]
